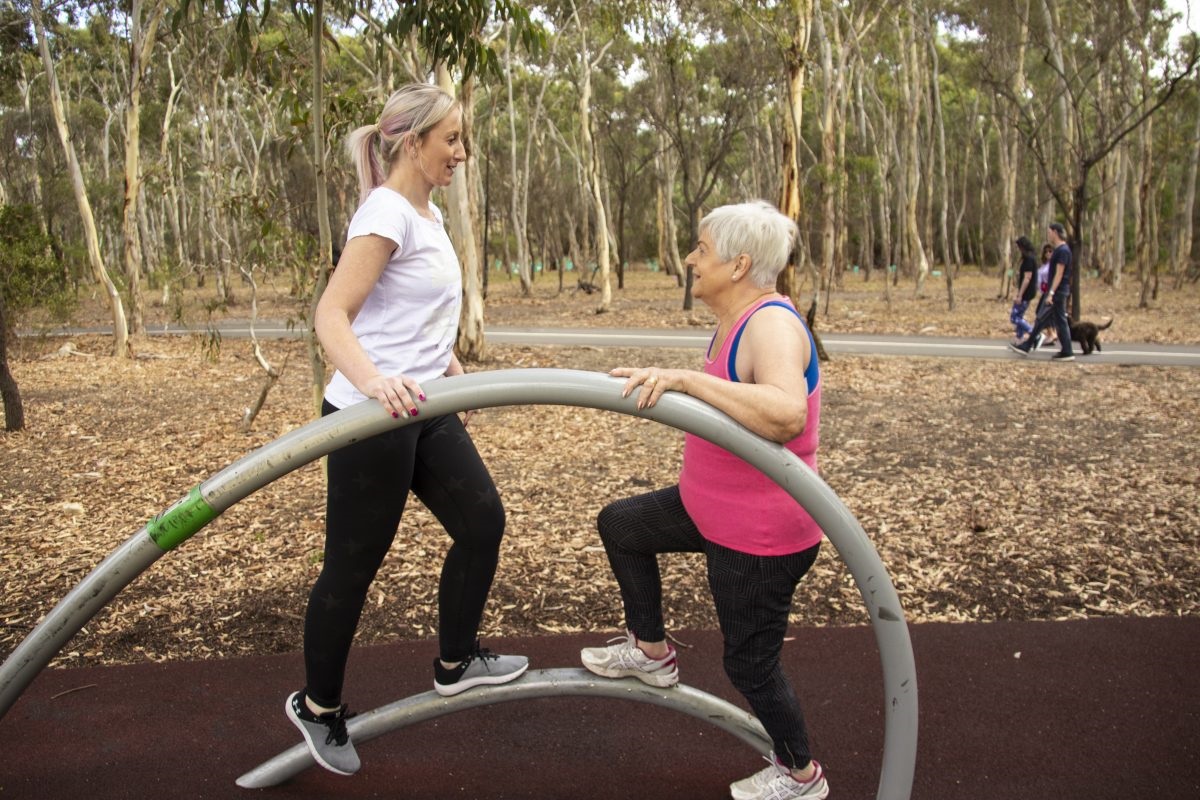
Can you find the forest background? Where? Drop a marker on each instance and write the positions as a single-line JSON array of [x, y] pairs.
[[181, 162]]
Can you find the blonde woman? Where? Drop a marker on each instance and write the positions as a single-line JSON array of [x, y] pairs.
[[388, 322]]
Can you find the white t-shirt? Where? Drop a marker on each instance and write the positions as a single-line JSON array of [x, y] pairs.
[[409, 321]]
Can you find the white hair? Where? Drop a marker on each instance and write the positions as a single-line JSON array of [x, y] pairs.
[[758, 230]]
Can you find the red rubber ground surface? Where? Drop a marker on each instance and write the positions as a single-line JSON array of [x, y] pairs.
[[1106, 708]]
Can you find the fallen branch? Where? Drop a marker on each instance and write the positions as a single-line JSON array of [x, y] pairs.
[[65, 351]]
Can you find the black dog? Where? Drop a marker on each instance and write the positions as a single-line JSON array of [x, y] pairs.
[[1088, 334]]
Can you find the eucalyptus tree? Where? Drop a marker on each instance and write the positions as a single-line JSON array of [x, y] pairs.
[[838, 31], [1181, 243], [143, 19], [911, 93], [1074, 45], [58, 106], [706, 79], [787, 29], [29, 276], [536, 81], [452, 37], [630, 151]]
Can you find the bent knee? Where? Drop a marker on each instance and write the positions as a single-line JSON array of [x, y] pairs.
[[611, 521]]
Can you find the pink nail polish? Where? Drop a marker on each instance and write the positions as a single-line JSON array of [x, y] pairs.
[[421, 397], [414, 412], [395, 415]]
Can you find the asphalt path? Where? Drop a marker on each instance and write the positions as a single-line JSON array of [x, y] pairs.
[[1115, 352]]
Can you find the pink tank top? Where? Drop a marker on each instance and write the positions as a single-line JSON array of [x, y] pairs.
[[731, 502]]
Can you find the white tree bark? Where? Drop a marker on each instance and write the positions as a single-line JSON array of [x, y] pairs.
[[911, 93], [120, 329], [143, 33], [471, 345], [1183, 228]]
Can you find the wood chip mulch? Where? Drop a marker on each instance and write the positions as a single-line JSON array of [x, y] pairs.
[[992, 490]]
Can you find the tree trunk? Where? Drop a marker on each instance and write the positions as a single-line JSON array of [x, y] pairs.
[[517, 209], [1119, 256], [668, 239], [14, 411], [664, 161], [471, 344], [141, 46], [325, 241], [590, 154], [943, 183], [791, 200], [1183, 228], [120, 329], [1145, 181], [911, 92]]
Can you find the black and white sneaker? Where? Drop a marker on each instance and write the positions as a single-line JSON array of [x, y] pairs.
[[481, 667], [1019, 349], [325, 734], [1063, 357]]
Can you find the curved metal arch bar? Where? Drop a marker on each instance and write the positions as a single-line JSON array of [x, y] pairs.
[[486, 390], [535, 683]]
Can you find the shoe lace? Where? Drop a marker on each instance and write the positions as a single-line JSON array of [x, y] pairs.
[[777, 769], [482, 653], [336, 723]]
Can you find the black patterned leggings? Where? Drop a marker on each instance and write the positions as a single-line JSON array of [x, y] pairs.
[[369, 482], [753, 597]]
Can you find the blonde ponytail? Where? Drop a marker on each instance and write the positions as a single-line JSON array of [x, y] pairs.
[[407, 116]]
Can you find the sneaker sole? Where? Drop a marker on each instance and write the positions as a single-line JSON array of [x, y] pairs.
[[648, 678], [486, 680], [741, 795], [738, 793], [312, 748], [1018, 350]]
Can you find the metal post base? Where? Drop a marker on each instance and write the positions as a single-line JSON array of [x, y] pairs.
[[535, 683]]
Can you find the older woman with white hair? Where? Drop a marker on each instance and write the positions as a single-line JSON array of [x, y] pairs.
[[760, 369]]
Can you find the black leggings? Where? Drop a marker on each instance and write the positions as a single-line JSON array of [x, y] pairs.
[[369, 483], [753, 597]]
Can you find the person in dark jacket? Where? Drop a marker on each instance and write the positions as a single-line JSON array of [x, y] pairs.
[[1026, 289]]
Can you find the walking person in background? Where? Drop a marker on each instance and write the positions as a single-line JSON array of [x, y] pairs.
[[1048, 336], [1026, 290], [388, 322], [1058, 294], [758, 542]]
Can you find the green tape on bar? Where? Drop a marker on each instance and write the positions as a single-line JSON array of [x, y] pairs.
[[173, 527]]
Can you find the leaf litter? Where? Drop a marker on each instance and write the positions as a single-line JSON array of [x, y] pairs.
[[993, 490]]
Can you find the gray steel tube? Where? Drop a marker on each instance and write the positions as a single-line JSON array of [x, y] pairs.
[[535, 683], [504, 388]]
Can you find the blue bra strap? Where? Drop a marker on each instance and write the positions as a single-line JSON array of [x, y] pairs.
[[811, 375]]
